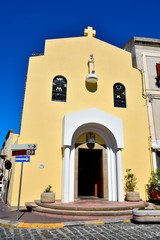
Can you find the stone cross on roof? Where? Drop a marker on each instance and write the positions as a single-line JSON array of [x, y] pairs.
[[89, 32]]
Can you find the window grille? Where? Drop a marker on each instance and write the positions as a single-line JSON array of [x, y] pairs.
[[59, 89], [119, 95]]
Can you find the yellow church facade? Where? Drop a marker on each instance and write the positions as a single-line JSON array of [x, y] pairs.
[[84, 108]]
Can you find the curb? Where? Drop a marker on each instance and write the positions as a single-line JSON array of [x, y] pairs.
[[16, 224], [8, 224]]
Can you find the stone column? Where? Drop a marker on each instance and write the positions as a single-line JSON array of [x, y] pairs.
[[120, 176], [71, 175], [154, 160], [109, 174], [114, 176], [65, 176]]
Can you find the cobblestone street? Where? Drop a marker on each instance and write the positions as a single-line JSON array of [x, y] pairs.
[[125, 230]]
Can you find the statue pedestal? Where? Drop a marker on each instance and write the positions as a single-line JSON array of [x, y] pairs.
[[91, 78]]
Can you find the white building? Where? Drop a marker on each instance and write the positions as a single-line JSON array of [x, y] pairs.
[[146, 57]]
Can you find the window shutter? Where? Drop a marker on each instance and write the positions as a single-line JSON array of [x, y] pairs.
[[158, 68]]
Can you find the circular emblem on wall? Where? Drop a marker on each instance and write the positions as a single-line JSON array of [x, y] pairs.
[[41, 165], [118, 88]]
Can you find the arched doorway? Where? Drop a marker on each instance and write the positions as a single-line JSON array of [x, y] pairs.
[[110, 128], [90, 173]]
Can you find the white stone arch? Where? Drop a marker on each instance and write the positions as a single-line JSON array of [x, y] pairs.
[[111, 129]]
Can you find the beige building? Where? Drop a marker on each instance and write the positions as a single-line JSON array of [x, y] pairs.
[[146, 58], [85, 110], [6, 154]]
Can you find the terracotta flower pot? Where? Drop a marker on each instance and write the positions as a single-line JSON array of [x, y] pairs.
[[47, 197], [154, 194], [132, 196]]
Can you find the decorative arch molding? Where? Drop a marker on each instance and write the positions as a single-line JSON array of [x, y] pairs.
[[96, 128], [111, 129], [110, 123]]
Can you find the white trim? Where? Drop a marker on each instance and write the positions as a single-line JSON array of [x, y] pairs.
[[144, 64], [105, 125], [154, 160], [65, 177], [114, 176], [155, 144], [120, 176], [110, 123], [71, 176], [151, 54], [109, 174], [92, 78]]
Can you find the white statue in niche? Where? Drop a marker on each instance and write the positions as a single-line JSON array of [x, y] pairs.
[[91, 77], [91, 64]]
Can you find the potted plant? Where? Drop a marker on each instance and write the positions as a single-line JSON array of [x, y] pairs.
[[48, 196], [153, 185], [130, 184]]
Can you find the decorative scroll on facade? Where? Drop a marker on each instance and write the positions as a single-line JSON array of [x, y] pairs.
[[119, 95], [59, 89]]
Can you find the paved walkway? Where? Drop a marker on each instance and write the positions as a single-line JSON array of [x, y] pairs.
[[64, 227], [41, 220], [34, 217], [109, 231]]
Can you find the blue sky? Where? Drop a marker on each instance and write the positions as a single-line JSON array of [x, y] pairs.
[[25, 24]]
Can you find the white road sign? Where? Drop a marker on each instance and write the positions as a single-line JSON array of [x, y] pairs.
[[24, 146]]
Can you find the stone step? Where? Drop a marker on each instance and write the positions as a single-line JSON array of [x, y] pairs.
[[92, 207], [37, 208]]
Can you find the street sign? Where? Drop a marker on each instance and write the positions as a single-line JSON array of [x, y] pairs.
[[23, 152], [24, 146], [22, 159], [8, 164]]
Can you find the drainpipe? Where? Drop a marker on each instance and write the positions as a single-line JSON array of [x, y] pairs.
[[148, 101]]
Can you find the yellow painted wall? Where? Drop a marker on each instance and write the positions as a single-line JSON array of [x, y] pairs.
[[42, 118]]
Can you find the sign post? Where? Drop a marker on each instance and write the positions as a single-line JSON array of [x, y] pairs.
[[19, 191], [19, 150], [6, 188], [21, 159]]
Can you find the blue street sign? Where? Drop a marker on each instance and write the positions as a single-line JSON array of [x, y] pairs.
[[22, 159]]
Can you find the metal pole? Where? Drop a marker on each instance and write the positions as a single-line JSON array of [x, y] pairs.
[[7, 188], [19, 192]]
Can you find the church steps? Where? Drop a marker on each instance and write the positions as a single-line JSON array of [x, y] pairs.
[[81, 213], [78, 211], [82, 208]]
